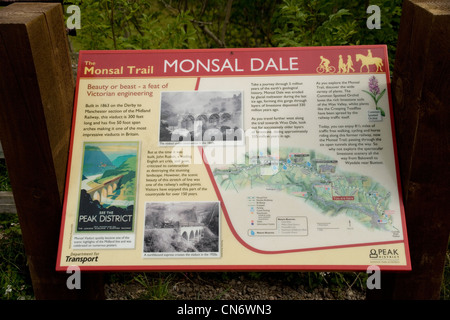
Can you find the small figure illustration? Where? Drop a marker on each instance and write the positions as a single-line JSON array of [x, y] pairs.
[[324, 66], [342, 65], [349, 64], [368, 60]]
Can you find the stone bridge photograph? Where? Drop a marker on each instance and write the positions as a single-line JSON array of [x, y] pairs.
[[182, 227], [200, 115]]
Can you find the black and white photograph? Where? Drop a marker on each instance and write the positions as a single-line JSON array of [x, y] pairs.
[[182, 229], [201, 117]]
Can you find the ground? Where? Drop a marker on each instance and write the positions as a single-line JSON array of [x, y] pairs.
[[201, 286]]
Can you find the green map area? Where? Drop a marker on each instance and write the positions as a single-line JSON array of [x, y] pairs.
[[316, 179]]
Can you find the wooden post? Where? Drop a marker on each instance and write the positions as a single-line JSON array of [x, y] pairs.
[[36, 102], [420, 99]]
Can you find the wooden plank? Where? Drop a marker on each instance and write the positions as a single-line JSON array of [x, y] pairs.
[[6, 197], [7, 204], [36, 90], [421, 110]]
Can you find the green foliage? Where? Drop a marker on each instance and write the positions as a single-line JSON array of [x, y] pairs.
[[325, 23], [130, 24], [5, 184], [155, 287], [182, 24], [15, 282], [313, 23], [332, 23]]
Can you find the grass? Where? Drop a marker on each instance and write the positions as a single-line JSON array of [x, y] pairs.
[[223, 285], [15, 282]]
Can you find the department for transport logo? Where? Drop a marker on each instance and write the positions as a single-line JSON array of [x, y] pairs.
[[383, 254]]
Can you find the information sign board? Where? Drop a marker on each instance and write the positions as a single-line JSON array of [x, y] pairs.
[[233, 159]]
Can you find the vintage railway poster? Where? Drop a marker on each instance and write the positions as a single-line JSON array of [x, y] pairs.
[[108, 187], [234, 159]]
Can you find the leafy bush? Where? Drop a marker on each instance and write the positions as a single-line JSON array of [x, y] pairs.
[[130, 24], [181, 24], [332, 23], [15, 282]]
